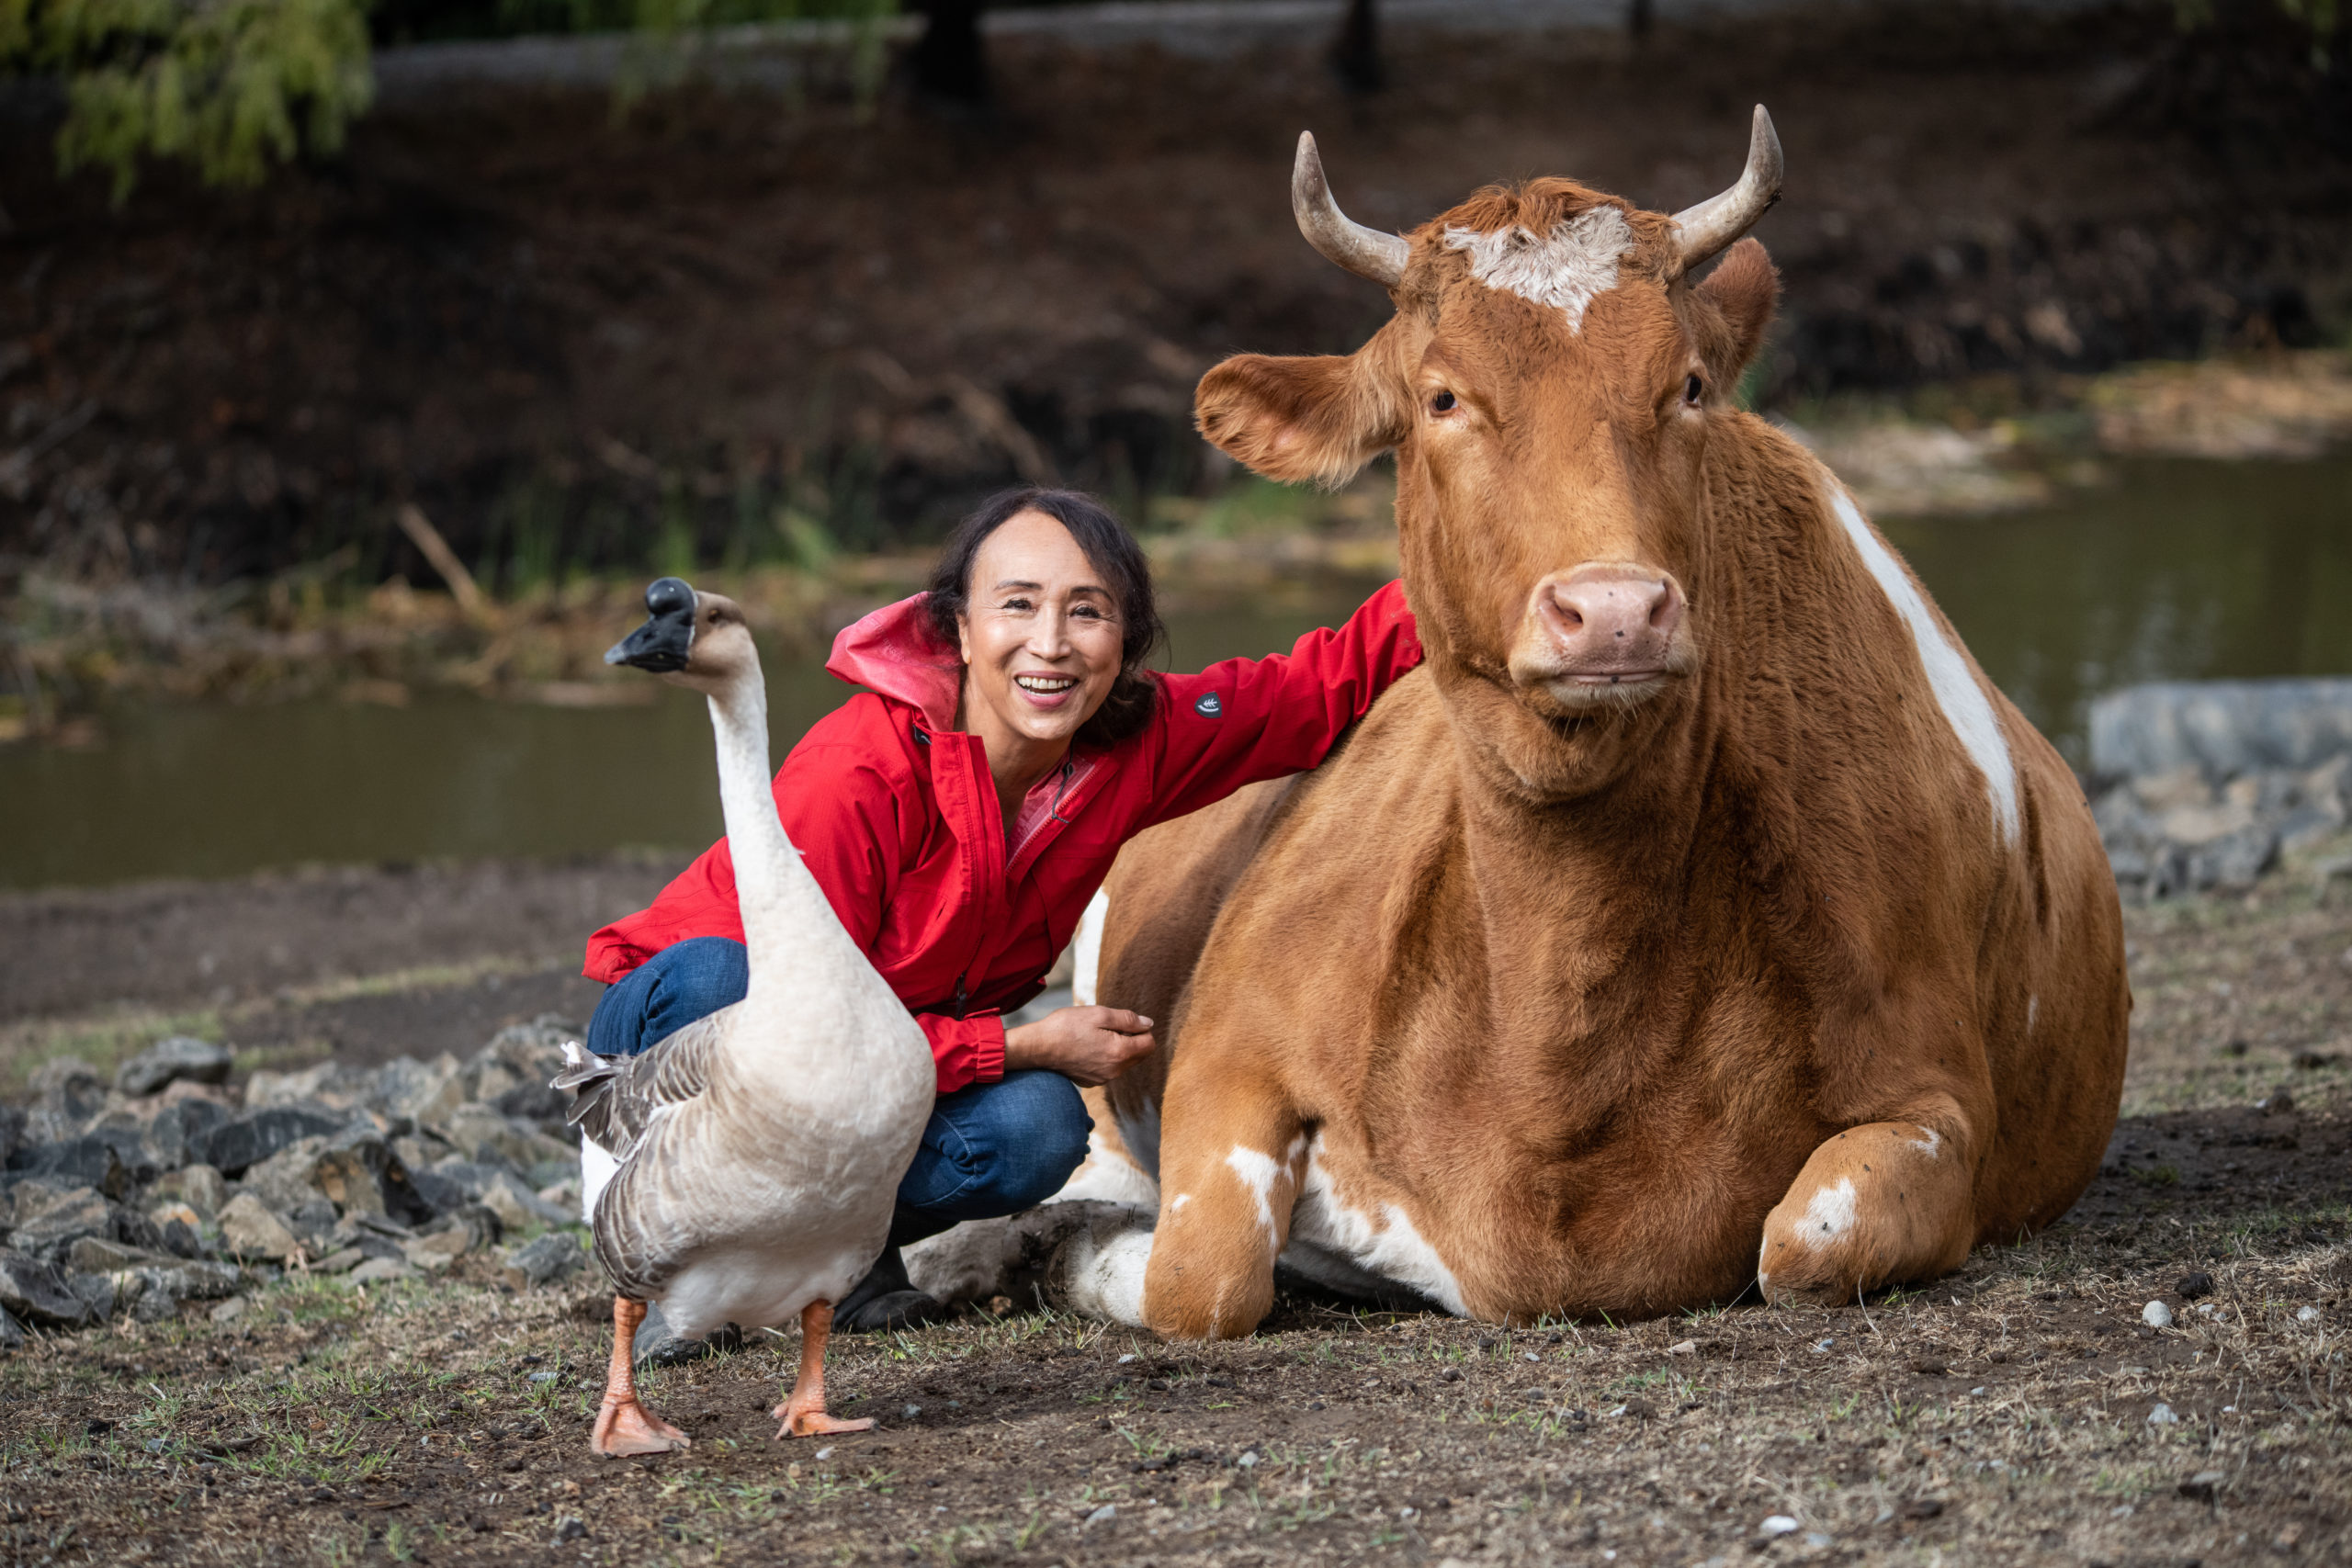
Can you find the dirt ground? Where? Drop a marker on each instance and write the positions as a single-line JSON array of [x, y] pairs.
[[582, 339], [2009, 1413]]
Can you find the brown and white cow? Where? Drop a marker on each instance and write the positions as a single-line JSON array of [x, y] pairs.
[[1700, 915]]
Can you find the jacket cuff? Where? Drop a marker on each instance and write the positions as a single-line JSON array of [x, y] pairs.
[[968, 1050]]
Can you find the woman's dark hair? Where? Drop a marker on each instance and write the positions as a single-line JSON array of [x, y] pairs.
[[1110, 548]]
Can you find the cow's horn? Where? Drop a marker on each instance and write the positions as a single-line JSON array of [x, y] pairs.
[[1715, 222], [1367, 253]]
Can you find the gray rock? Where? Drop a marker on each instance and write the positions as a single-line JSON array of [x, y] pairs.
[[2222, 727], [2234, 862], [355, 1170], [437, 1192], [199, 1186], [376, 1269], [36, 1292], [49, 1229], [94, 1255], [313, 1222], [553, 1257], [424, 1091], [68, 1094], [180, 1239], [238, 1145], [251, 1228], [12, 1333], [155, 1295], [178, 1127], [482, 1226], [168, 1060], [517, 1207], [482, 1133], [89, 1161], [330, 1085], [98, 1292]]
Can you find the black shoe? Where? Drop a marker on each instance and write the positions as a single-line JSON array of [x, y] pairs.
[[885, 1299], [660, 1345]]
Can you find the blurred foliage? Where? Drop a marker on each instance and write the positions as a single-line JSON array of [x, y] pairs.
[[415, 22], [232, 86], [225, 85]]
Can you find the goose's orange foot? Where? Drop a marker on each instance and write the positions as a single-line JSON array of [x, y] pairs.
[[624, 1427], [812, 1422]]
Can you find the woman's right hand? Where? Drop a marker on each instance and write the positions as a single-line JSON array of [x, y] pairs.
[[1086, 1046]]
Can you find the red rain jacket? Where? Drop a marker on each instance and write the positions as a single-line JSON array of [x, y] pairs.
[[896, 812]]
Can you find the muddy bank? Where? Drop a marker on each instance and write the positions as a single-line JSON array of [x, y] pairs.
[[729, 327], [362, 964]]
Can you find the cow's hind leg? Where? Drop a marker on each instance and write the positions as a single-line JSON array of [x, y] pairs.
[[1876, 1205]]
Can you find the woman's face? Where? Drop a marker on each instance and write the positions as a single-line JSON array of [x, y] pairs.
[[1041, 633]]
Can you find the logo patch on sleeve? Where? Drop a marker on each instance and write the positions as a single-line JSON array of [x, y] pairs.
[[1208, 706]]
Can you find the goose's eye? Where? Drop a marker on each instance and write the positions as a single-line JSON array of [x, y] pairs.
[[1442, 403], [1692, 389]]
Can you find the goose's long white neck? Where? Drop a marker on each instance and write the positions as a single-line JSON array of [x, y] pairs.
[[786, 921]]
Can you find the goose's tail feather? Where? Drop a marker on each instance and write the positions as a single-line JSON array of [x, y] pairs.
[[589, 1079]]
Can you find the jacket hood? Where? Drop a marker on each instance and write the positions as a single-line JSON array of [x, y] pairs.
[[894, 651]]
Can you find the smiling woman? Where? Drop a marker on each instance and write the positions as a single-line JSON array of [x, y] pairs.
[[960, 813]]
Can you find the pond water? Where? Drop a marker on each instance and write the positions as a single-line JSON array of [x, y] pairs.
[[2175, 571]]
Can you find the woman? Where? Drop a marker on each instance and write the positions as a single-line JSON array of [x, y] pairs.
[[961, 812]]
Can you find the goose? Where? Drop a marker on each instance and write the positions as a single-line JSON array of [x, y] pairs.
[[744, 1169]]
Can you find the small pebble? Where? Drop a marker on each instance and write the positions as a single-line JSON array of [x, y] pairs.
[[2309, 1314], [2161, 1415], [2155, 1315], [1775, 1526], [1685, 1347], [1103, 1515]]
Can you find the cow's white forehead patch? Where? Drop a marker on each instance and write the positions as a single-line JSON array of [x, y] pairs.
[[1564, 270]]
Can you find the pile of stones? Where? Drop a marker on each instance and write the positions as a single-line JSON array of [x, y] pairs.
[[168, 1190], [2185, 831], [2207, 784]]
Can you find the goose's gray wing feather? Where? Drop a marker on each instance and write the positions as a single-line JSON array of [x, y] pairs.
[[615, 1098]]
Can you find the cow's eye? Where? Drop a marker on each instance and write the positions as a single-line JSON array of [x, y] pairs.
[[1692, 389], [1441, 404]]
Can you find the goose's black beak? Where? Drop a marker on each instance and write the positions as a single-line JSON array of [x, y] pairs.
[[660, 645]]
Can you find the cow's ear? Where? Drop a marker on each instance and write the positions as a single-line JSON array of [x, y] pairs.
[[1746, 289], [1318, 417]]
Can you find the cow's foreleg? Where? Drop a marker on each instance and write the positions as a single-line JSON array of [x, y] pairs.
[[1226, 1189], [1876, 1205]]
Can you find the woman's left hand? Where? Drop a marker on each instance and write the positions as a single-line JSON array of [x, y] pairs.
[[1087, 1045]]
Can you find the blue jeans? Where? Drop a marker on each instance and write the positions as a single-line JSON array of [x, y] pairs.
[[991, 1149]]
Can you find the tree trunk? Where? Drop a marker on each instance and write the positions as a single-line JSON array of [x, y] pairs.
[[1355, 53], [949, 60]]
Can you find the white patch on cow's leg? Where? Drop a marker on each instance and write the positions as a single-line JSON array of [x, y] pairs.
[[1831, 1213], [1389, 1248], [1257, 1172], [1929, 1145], [1086, 952], [1104, 1279], [1564, 270], [1106, 1176], [2033, 1010], [1957, 692], [1176, 1204]]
